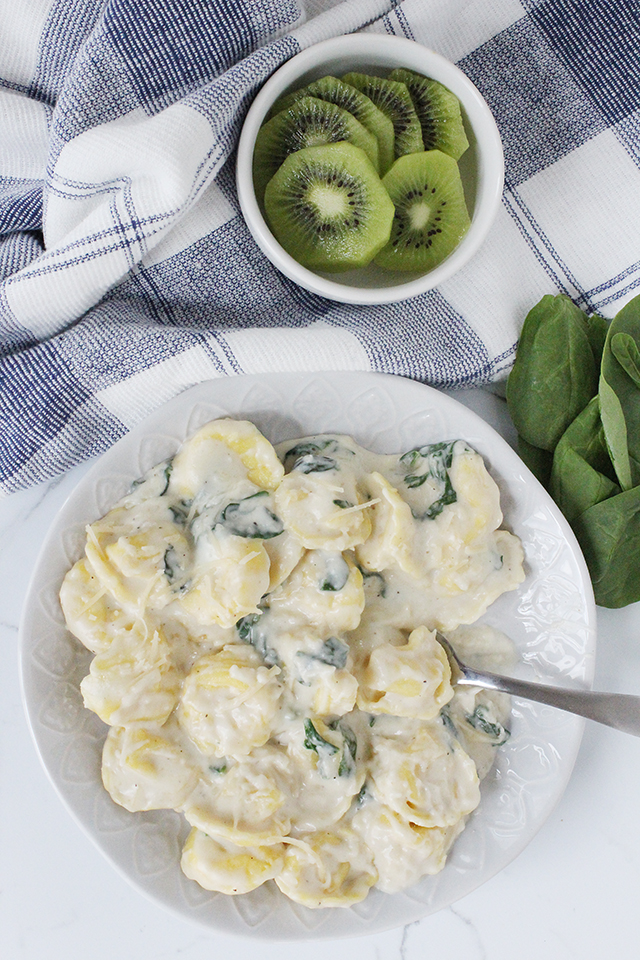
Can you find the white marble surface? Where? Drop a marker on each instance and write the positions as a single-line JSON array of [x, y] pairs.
[[573, 893]]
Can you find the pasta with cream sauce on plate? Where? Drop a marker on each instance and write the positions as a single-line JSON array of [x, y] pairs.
[[263, 625]]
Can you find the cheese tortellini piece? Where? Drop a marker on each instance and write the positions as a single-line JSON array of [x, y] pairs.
[[244, 801], [134, 680], [422, 777], [91, 612], [328, 869], [145, 768], [403, 852], [224, 450], [325, 589], [411, 680], [218, 864], [229, 702], [263, 625]]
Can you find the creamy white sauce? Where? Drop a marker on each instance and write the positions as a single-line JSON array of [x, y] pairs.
[[262, 623]]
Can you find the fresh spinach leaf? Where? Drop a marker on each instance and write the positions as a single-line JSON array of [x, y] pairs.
[[581, 473], [625, 350], [597, 328], [251, 518], [554, 375], [539, 461], [609, 535], [620, 394]]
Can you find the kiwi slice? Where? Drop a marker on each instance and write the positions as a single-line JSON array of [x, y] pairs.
[[438, 112], [431, 214], [307, 123], [394, 100], [357, 104], [328, 208]]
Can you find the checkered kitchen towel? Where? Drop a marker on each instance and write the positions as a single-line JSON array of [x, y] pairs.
[[127, 273]]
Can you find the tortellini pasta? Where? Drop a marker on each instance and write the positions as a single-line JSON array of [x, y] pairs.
[[218, 864], [411, 680], [263, 625], [229, 702]]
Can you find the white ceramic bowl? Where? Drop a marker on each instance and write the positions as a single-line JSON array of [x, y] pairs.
[[550, 617], [481, 166]]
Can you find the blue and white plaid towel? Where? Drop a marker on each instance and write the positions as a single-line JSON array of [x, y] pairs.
[[126, 270]]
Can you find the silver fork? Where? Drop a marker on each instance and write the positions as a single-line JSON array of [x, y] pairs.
[[618, 710]]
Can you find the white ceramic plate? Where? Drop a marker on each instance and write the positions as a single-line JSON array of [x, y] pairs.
[[551, 618]]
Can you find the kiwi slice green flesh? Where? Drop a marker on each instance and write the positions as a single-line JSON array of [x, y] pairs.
[[356, 103], [394, 100], [438, 111], [308, 122], [431, 215], [327, 207]]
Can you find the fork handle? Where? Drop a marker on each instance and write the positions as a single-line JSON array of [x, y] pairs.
[[618, 710]]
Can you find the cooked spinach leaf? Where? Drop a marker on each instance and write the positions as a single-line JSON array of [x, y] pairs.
[[218, 768], [328, 751], [373, 580], [363, 796], [448, 723], [180, 511], [431, 462], [480, 720], [251, 518], [172, 567], [347, 765], [315, 463], [313, 740], [336, 572], [308, 456], [254, 629], [334, 652]]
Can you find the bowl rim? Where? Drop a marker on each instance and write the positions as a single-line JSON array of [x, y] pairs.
[[400, 52]]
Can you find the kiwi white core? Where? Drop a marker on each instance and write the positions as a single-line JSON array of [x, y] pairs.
[[329, 203], [419, 214]]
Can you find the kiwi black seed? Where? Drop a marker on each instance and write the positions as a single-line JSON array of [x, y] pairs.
[[431, 215], [307, 122], [356, 103], [393, 99], [327, 207], [438, 111]]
